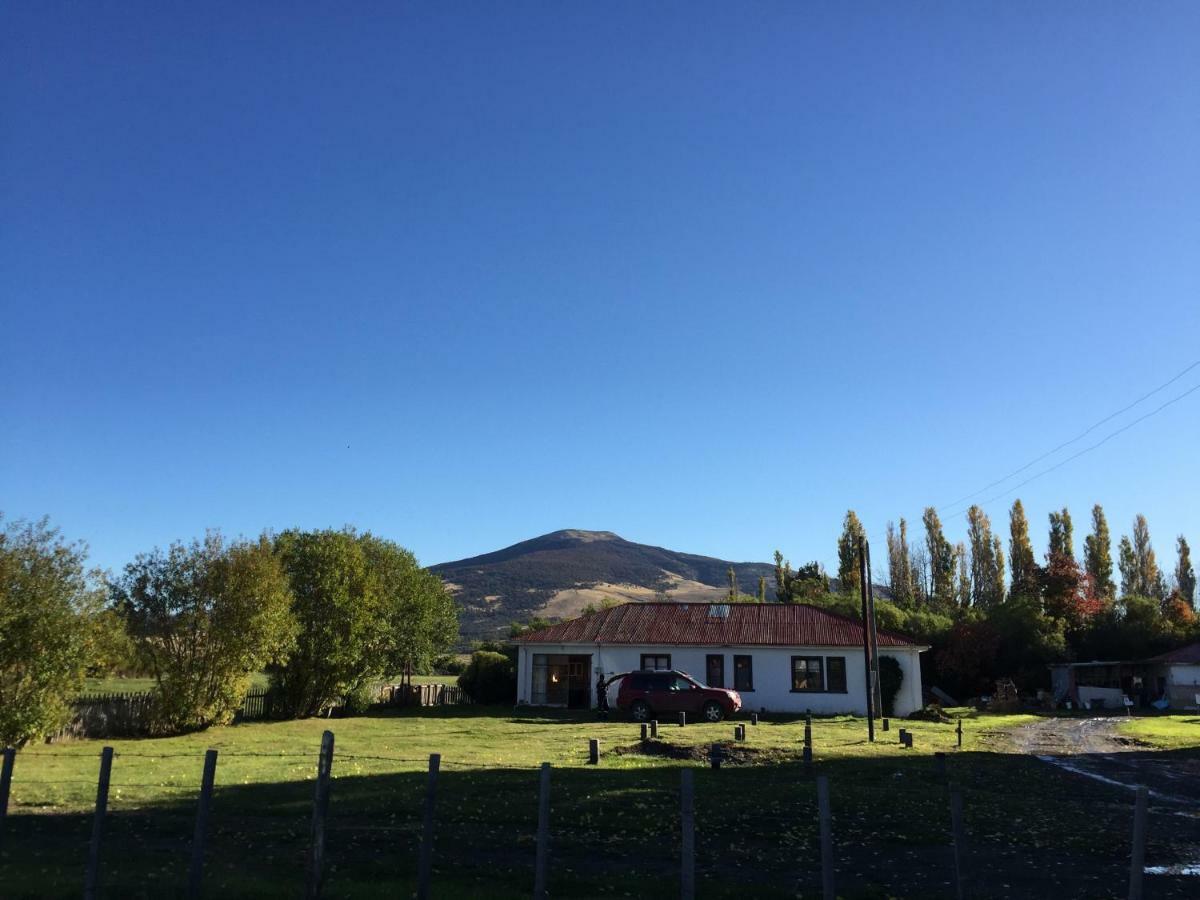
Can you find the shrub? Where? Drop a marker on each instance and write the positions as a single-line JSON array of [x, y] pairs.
[[358, 702], [489, 678], [891, 676], [448, 664]]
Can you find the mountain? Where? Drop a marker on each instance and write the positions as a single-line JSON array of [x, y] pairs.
[[556, 575]]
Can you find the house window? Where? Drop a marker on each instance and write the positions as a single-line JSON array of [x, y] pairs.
[[835, 674], [714, 667], [656, 660], [808, 673], [743, 673]]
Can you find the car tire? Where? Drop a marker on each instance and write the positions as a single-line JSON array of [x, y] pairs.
[[712, 711], [639, 710]]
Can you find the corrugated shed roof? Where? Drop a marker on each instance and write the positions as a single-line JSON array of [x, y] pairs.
[[743, 624], [1189, 655]]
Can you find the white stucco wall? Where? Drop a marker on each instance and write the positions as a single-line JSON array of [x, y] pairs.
[[772, 674]]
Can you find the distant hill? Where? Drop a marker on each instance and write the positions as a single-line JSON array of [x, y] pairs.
[[558, 574]]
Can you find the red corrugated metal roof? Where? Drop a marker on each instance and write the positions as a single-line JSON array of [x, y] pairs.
[[1189, 655], [746, 624]]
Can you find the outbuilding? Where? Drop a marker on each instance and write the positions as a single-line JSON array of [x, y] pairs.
[[1170, 680], [780, 657]]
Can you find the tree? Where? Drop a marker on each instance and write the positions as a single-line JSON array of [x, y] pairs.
[[1062, 534], [1097, 556], [490, 677], [762, 589], [900, 575], [810, 584], [48, 601], [205, 617], [1067, 591], [987, 560], [1021, 562], [963, 582], [783, 579], [1139, 569], [1127, 561], [849, 574], [1185, 575], [941, 560], [365, 610], [733, 585]]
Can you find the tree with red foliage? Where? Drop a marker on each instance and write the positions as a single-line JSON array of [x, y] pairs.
[[1068, 592], [969, 657]]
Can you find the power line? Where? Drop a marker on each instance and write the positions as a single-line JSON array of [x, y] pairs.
[[949, 508]]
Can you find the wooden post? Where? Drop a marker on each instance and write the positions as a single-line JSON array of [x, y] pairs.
[[877, 689], [593, 751], [543, 835], [426, 857], [864, 577], [687, 819], [825, 817], [645, 731], [92, 880], [753, 718], [959, 730], [714, 756], [682, 718], [960, 840], [6, 770], [316, 857], [939, 765], [196, 870], [886, 725], [1137, 859], [654, 728]]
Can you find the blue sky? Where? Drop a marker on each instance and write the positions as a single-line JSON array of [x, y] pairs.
[[702, 274]]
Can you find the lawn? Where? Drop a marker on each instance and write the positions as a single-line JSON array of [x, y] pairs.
[[1037, 831], [1165, 732], [118, 685]]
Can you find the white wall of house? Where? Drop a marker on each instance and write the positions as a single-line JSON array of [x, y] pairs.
[[772, 673], [1183, 685]]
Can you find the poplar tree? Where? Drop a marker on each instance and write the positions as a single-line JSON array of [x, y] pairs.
[[1062, 535], [941, 559], [783, 579], [733, 586], [1097, 555], [963, 588], [1185, 575], [762, 589], [899, 565], [987, 560], [1127, 562], [849, 577], [1021, 562], [1149, 576]]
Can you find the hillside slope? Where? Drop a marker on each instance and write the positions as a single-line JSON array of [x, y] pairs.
[[557, 574]]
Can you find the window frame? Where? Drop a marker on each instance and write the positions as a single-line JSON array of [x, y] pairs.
[[829, 688], [708, 658], [749, 669], [820, 660], [645, 668]]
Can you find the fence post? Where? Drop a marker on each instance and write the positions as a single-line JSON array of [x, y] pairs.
[[593, 751], [92, 879], [807, 741], [960, 840], [1137, 859], [423, 864], [196, 870], [316, 858], [645, 731], [825, 818], [753, 718], [654, 728], [687, 819], [959, 730], [715, 755], [6, 770], [886, 725], [543, 835], [682, 718]]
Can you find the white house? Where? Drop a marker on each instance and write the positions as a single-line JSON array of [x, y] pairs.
[[779, 657]]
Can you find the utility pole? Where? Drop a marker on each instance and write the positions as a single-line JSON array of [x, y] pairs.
[[863, 582], [876, 688]]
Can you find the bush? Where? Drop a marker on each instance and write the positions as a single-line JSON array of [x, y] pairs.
[[360, 700], [891, 676], [490, 677], [448, 664]]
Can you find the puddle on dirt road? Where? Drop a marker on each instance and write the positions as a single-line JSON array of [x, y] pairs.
[[1181, 869]]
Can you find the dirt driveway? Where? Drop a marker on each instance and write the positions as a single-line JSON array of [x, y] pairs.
[[1093, 747]]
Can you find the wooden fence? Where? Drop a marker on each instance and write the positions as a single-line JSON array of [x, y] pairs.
[[128, 714]]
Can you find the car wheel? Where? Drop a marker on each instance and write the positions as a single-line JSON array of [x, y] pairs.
[[713, 711], [640, 710]]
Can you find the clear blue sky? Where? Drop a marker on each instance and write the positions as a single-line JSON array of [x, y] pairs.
[[703, 274]]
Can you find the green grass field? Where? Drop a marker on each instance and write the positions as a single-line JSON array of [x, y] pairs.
[[1165, 732], [615, 826], [115, 685]]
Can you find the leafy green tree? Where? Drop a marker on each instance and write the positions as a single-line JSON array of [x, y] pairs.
[[1022, 566], [1140, 573], [113, 651], [762, 589], [1185, 575], [490, 677], [849, 574], [1097, 556], [733, 585], [1062, 534], [48, 601], [783, 579], [1128, 563], [900, 575], [365, 610], [206, 617], [809, 584], [987, 560], [941, 560], [962, 583]]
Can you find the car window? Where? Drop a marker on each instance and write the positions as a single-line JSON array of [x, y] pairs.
[[658, 682], [680, 684]]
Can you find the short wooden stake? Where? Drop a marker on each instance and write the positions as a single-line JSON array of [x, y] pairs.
[[715, 755], [886, 725], [753, 718], [654, 728], [593, 751], [645, 730], [687, 820], [316, 853], [825, 818], [682, 718], [1137, 858], [960, 840], [6, 769], [425, 861], [959, 730], [541, 859], [91, 881], [196, 869]]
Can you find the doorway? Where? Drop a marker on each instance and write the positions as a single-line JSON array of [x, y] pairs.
[[561, 679]]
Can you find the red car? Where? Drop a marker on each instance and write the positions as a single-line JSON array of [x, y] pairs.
[[645, 695]]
